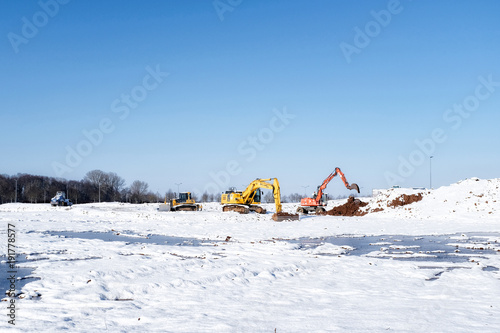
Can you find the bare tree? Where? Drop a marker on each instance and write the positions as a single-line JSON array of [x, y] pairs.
[[125, 194], [268, 197], [98, 181], [294, 197], [150, 197], [138, 191], [7, 189], [106, 186], [33, 188], [114, 184], [170, 195], [95, 177]]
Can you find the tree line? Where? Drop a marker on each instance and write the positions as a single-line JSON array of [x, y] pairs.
[[96, 186]]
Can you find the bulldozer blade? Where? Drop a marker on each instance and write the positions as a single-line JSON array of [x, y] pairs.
[[354, 187], [278, 217], [164, 207]]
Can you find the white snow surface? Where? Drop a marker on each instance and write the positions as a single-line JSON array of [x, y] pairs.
[[260, 279]]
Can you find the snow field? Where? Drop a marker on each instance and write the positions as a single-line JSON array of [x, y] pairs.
[[257, 281]]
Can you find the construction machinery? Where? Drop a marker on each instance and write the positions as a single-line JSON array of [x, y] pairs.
[[60, 200], [248, 200], [319, 199], [182, 202]]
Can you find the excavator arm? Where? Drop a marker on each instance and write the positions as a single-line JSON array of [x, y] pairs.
[[337, 171], [249, 192]]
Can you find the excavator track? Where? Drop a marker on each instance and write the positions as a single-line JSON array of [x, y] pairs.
[[187, 208], [278, 217], [257, 209], [236, 208]]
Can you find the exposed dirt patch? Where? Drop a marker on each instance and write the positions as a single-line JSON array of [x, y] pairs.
[[405, 199], [278, 217], [350, 208]]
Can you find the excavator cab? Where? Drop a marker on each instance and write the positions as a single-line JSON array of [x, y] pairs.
[[232, 196], [257, 196]]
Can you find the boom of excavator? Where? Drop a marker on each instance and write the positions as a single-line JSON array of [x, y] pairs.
[[318, 202]]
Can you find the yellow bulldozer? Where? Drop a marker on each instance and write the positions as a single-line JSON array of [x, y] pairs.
[[249, 200], [182, 202]]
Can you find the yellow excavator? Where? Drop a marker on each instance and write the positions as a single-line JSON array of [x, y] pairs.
[[249, 199], [183, 202]]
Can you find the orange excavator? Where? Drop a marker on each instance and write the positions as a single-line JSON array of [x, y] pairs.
[[317, 203]]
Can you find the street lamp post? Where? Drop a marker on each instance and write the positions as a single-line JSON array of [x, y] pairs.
[[178, 185], [15, 200], [305, 190], [430, 172], [99, 192]]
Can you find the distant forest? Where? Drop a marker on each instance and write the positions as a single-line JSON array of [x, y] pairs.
[[96, 186]]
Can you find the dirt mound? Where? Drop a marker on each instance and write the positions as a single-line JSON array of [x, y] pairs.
[[278, 217], [405, 199], [350, 208]]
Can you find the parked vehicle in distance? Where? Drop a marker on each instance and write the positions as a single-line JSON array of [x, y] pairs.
[[60, 200]]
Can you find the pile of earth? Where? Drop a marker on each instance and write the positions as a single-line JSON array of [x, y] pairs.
[[278, 217], [405, 199], [350, 208]]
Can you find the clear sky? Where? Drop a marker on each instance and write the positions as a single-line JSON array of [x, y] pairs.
[[213, 94]]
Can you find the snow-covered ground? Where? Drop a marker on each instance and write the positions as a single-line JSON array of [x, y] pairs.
[[259, 278]]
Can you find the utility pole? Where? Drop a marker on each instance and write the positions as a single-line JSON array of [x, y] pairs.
[[16, 191], [430, 172], [99, 192]]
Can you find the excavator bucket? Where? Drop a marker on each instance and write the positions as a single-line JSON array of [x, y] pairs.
[[354, 187], [278, 217]]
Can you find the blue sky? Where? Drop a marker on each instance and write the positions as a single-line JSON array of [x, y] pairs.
[[233, 67]]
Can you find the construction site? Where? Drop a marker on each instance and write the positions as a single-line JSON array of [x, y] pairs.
[[252, 166], [145, 265]]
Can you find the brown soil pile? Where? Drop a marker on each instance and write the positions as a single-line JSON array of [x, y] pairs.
[[350, 208], [405, 199], [285, 217]]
